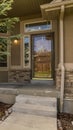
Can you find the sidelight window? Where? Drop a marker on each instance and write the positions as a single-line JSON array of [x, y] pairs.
[[27, 51]]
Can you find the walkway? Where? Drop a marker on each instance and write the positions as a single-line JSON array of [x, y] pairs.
[[32, 113]]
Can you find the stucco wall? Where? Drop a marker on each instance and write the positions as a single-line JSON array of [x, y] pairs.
[[68, 56], [15, 48], [15, 54], [3, 76], [55, 25], [68, 38]]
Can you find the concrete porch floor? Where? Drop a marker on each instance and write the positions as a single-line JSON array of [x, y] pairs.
[[36, 89], [10, 91]]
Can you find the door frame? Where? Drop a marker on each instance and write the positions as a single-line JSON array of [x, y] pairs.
[[52, 55]]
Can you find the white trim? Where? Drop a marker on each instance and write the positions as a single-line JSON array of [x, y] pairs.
[[21, 53], [69, 6], [58, 4], [8, 49], [38, 32], [52, 9], [57, 8], [3, 68], [47, 8], [33, 20], [15, 67], [62, 56], [22, 23]]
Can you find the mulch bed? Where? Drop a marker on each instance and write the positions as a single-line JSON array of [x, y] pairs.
[[4, 110], [65, 121]]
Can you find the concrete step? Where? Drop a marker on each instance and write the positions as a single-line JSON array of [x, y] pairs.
[[35, 110], [35, 105], [28, 99]]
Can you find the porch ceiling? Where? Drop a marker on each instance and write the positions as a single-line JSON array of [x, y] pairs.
[[27, 8]]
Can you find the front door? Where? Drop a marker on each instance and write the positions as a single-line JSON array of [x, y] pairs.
[[42, 56]]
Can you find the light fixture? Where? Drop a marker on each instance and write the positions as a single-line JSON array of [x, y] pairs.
[[0, 46], [15, 41]]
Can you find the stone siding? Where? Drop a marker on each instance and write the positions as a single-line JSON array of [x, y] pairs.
[[58, 78], [68, 82], [19, 76]]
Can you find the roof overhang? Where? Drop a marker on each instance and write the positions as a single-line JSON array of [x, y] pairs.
[[52, 10], [27, 9]]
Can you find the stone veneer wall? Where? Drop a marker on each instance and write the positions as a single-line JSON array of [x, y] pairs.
[[68, 82], [21, 76]]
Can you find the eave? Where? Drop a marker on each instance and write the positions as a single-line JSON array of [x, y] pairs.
[[52, 10]]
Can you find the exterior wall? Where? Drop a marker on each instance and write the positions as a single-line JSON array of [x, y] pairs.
[[24, 74], [14, 59], [15, 55], [15, 48], [68, 82], [16, 72], [3, 76], [68, 34], [19, 75], [68, 56], [55, 25], [68, 27]]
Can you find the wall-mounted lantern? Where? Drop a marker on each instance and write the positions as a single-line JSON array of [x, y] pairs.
[[15, 41]]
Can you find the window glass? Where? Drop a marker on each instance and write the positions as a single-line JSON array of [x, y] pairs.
[[3, 29], [38, 26], [3, 52], [42, 51], [26, 50]]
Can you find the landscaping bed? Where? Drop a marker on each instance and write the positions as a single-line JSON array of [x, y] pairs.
[[65, 121], [5, 110]]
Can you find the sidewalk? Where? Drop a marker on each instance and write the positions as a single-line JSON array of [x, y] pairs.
[[32, 113]]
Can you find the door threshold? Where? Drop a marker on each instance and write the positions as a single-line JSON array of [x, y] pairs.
[[49, 82], [42, 79]]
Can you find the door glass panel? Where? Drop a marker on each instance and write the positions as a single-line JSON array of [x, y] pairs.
[[42, 56]]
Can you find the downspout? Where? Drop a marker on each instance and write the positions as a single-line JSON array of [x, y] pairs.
[[62, 57]]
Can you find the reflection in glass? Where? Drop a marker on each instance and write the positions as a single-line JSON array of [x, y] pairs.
[[42, 56], [38, 26], [26, 50], [3, 52]]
